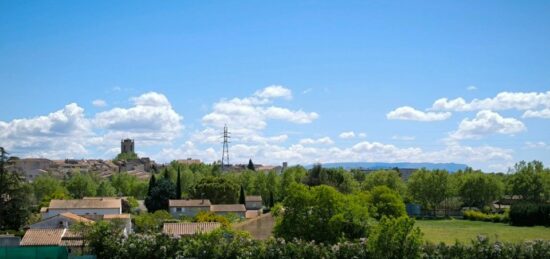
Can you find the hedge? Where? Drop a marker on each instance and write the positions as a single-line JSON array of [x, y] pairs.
[[530, 214]]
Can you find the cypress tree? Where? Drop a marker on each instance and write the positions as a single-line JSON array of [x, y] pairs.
[[152, 182], [166, 174], [178, 186], [251, 165], [271, 201], [242, 197]]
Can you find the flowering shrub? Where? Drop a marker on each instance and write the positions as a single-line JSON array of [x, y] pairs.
[[392, 238]]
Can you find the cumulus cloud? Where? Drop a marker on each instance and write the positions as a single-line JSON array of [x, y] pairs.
[[543, 114], [536, 145], [471, 88], [248, 117], [99, 103], [310, 141], [502, 101], [63, 131], [274, 91], [150, 119], [485, 123], [409, 113], [347, 135]]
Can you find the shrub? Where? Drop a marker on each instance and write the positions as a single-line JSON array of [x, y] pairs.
[[395, 238], [530, 214], [480, 216], [208, 216]]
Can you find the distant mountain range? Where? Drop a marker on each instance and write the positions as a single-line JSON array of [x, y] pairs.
[[451, 167]]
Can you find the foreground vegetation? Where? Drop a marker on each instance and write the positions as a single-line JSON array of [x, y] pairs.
[[391, 238], [449, 231]]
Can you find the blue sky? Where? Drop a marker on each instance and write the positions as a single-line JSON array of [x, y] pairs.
[[303, 73]]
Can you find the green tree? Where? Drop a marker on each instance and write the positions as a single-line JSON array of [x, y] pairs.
[[151, 222], [528, 180], [387, 178], [160, 194], [81, 185], [152, 183], [385, 202], [322, 214], [480, 190], [219, 190], [126, 156], [105, 189], [102, 238], [46, 185], [15, 197], [242, 198], [178, 185], [429, 188], [251, 165]]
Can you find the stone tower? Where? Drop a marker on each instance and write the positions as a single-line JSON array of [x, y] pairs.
[[127, 146]]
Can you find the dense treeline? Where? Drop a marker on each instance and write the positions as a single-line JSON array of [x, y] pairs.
[[432, 189]]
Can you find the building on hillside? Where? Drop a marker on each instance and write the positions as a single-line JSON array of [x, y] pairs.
[[178, 230], [30, 168], [189, 161], [127, 146], [253, 202], [62, 220], [89, 208], [188, 208], [224, 209]]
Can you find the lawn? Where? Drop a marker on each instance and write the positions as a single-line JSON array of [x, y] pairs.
[[448, 231]]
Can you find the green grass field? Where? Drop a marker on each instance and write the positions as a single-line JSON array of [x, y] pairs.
[[448, 231]]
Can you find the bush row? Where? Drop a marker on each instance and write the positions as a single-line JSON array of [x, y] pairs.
[[480, 216], [231, 245], [530, 214], [391, 238]]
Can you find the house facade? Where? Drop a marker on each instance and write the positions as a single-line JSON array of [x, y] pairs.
[[188, 208], [253, 202], [224, 209]]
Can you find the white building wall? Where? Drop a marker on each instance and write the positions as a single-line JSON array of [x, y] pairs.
[[83, 212]]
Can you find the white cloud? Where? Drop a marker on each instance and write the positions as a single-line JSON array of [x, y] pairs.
[[502, 101], [62, 132], [310, 141], [471, 88], [347, 135], [409, 113], [151, 119], [362, 135], [299, 116], [485, 123], [248, 117], [99, 103], [274, 91], [543, 114]]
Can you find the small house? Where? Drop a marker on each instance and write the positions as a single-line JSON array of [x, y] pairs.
[[253, 202], [188, 208], [224, 209]]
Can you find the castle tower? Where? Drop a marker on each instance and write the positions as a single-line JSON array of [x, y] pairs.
[[127, 146]]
